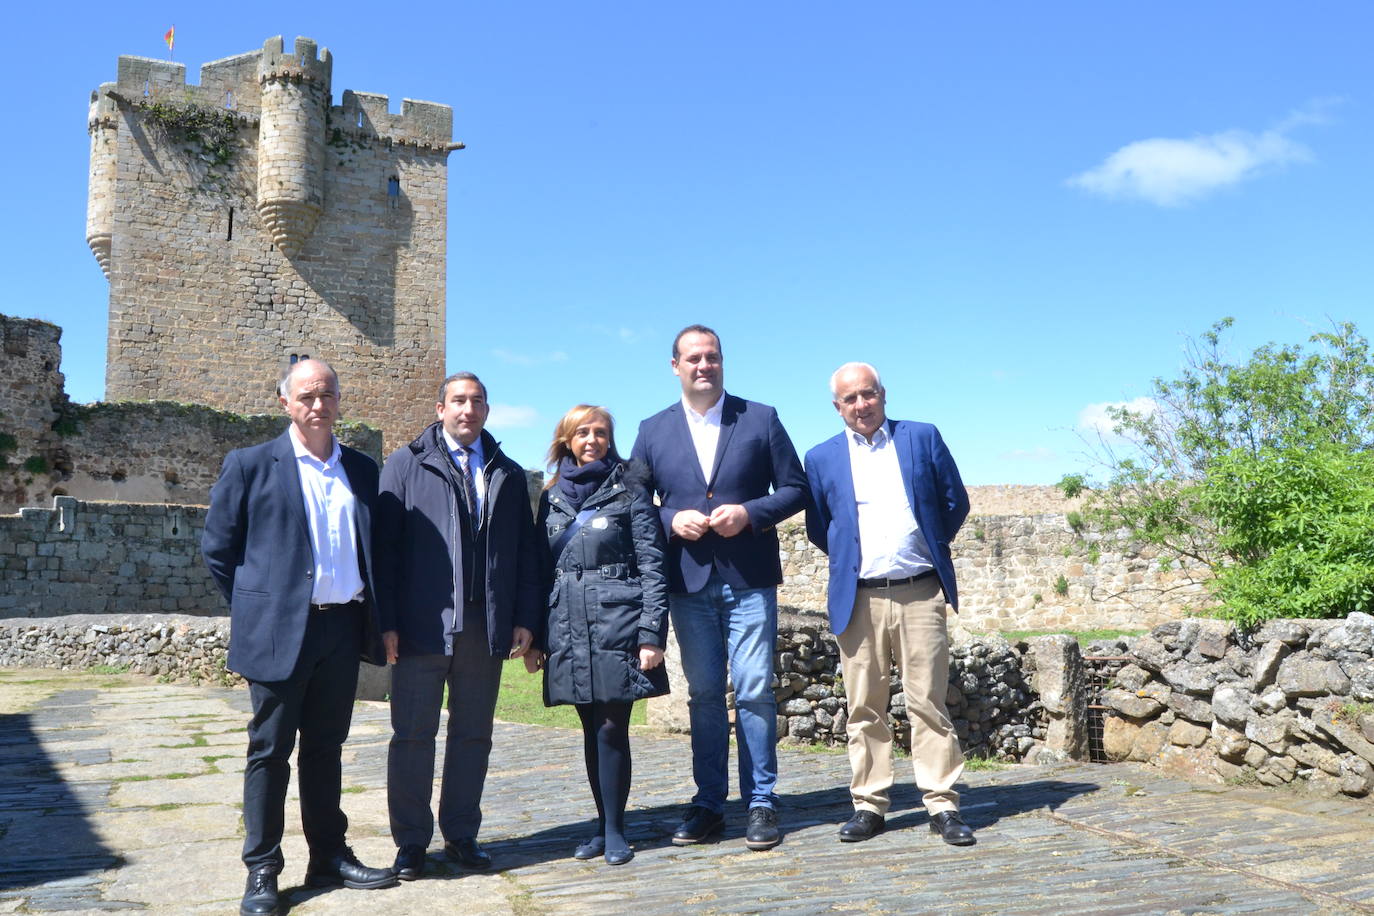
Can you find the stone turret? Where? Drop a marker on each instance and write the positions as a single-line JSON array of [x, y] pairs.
[[101, 125], [295, 104]]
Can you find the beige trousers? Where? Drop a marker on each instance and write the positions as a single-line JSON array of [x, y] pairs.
[[905, 625]]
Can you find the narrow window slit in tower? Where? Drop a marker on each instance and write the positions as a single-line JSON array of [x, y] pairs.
[[147, 88], [360, 117], [229, 236], [229, 99], [393, 191]]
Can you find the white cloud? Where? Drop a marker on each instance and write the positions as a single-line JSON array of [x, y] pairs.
[[529, 359], [1171, 172], [511, 416], [1095, 419]]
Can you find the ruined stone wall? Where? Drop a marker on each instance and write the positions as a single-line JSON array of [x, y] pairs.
[[228, 261], [1027, 573], [1291, 703], [31, 394]]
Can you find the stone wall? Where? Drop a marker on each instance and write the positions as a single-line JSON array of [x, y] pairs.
[[104, 558], [137, 451], [1291, 703], [1028, 573], [168, 647]]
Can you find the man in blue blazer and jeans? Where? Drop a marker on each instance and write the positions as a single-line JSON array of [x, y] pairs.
[[726, 473], [886, 501], [288, 541]]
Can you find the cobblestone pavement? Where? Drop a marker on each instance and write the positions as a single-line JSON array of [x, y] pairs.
[[117, 793]]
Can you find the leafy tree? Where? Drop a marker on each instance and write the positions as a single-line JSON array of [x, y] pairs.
[[1259, 471]]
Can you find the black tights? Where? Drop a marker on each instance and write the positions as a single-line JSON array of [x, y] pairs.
[[606, 746]]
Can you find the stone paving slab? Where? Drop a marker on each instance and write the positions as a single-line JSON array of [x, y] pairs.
[[118, 794]]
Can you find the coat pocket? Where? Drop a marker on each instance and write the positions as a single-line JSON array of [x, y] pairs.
[[617, 615], [645, 684]]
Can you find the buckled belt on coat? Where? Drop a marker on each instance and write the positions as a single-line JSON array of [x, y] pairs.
[[608, 571], [893, 583]]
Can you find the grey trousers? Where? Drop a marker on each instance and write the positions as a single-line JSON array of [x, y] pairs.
[[473, 676]]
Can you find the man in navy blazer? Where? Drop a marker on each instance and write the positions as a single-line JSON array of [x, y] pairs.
[[726, 473], [287, 540], [886, 501]]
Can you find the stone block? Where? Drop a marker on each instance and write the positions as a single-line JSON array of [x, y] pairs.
[[1270, 731], [1361, 681], [1194, 709], [1130, 704], [1186, 734], [1301, 675], [1267, 661], [1314, 755], [1150, 653], [1357, 776], [1231, 744], [1231, 706], [1149, 741], [1288, 632], [1131, 677], [1269, 702], [1191, 678]]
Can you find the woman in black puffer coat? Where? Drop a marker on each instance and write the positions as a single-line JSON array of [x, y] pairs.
[[608, 607]]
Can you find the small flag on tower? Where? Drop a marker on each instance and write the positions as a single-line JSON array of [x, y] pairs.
[[170, 37]]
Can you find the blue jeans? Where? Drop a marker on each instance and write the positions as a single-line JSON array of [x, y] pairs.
[[741, 624]]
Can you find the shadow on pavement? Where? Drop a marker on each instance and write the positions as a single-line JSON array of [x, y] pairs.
[[43, 820]]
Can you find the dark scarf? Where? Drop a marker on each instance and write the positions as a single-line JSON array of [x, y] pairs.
[[576, 481]]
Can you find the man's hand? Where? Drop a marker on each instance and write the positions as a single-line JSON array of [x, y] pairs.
[[691, 525], [534, 660], [650, 657], [392, 642], [729, 520], [521, 640]]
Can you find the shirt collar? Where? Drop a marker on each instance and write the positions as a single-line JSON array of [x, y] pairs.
[[880, 438], [455, 447], [712, 415], [302, 452]]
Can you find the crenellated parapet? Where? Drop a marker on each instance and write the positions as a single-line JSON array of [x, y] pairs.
[[366, 115]]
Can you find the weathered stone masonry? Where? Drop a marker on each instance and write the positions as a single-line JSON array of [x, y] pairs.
[[313, 229]]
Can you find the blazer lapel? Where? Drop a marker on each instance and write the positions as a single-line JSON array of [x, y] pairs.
[[289, 479], [844, 481], [906, 460], [729, 413]]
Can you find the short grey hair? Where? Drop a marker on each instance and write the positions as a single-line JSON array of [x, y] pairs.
[[835, 377], [284, 384], [461, 377]]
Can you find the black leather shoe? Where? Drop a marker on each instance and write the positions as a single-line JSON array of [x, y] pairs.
[[410, 862], [344, 868], [467, 854], [762, 832], [864, 825], [952, 828], [260, 896], [590, 849], [698, 825]]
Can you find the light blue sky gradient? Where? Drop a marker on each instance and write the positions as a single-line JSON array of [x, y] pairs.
[[1015, 210]]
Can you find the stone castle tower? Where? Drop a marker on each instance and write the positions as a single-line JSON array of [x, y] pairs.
[[248, 222]]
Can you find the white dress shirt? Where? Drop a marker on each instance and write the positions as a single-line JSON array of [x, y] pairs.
[[891, 545], [475, 462], [331, 511], [705, 430]]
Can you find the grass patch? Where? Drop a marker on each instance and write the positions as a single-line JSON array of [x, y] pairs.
[[983, 764], [352, 790], [108, 669], [197, 740], [522, 701], [1352, 711], [1083, 636]]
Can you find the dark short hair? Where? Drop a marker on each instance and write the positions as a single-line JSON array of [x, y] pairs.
[[694, 329], [461, 377]]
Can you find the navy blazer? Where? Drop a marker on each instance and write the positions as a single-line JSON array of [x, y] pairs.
[[257, 547], [756, 467], [933, 489]]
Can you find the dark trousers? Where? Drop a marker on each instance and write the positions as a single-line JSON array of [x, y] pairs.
[[473, 676], [316, 701]]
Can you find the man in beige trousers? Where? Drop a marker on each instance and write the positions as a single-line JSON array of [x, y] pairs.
[[886, 501]]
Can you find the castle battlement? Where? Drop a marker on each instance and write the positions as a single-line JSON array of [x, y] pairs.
[[368, 114], [302, 64]]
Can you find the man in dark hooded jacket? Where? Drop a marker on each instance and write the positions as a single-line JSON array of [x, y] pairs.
[[458, 589]]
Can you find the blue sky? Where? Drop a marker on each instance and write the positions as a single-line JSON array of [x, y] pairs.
[[1015, 210]]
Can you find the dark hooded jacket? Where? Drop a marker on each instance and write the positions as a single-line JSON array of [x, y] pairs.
[[608, 593], [417, 523]]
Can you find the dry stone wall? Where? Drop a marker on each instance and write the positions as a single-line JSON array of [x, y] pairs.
[[1291, 703]]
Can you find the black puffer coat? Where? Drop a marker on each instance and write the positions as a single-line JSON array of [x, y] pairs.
[[608, 594]]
